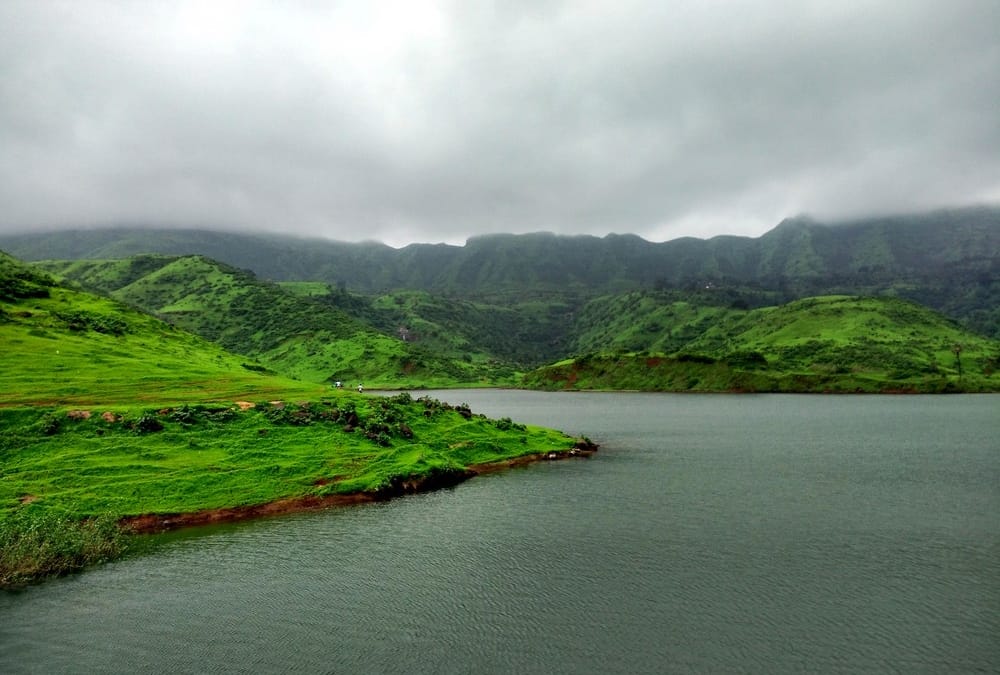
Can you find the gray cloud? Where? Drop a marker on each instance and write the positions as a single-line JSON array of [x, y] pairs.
[[413, 121]]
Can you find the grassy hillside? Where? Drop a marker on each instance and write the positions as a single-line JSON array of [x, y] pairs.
[[833, 343], [300, 332], [518, 335], [63, 347], [106, 412], [654, 321]]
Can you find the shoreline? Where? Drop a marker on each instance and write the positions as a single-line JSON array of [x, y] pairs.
[[155, 523]]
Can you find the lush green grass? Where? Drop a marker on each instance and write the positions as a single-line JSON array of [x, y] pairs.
[[106, 410], [834, 343], [883, 337], [65, 470], [296, 329], [190, 458], [660, 322], [50, 356]]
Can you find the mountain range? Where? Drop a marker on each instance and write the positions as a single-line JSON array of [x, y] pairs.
[[502, 305], [948, 260]]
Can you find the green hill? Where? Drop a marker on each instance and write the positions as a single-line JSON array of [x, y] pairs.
[[64, 347], [818, 344], [515, 336], [300, 333], [654, 321], [108, 413]]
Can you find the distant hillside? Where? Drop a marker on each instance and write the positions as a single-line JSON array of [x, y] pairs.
[[305, 336], [522, 335], [62, 346], [834, 343], [655, 321], [948, 260]]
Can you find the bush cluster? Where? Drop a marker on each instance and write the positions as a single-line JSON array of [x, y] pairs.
[[18, 284], [35, 544], [387, 420], [747, 360], [432, 407], [99, 323], [143, 424], [506, 424]]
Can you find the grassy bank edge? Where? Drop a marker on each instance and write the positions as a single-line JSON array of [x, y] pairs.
[[38, 542], [37, 545]]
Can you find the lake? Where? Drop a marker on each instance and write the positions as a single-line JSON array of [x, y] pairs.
[[711, 533]]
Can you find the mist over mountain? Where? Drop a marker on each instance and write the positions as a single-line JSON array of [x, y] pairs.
[[948, 260]]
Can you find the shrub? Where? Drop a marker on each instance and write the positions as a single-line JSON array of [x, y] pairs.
[[506, 424], [23, 284], [37, 544], [185, 414], [50, 424], [144, 424], [402, 398], [747, 360], [99, 323], [695, 358]]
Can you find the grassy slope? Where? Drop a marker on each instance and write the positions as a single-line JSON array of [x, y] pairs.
[[218, 456], [73, 348], [518, 335], [817, 344], [95, 418], [643, 321], [293, 332], [885, 336]]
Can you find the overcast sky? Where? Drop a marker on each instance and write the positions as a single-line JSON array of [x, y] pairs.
[[433, 121]]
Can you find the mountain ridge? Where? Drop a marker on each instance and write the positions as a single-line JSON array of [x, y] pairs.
[[948, 260]]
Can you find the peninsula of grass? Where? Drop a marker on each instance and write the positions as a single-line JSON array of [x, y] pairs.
[[158, 468], [189, 458], [111, 418]]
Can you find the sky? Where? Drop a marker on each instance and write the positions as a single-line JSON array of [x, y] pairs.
[[420, 121]]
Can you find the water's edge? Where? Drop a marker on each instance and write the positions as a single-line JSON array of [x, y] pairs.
[[154, 523]]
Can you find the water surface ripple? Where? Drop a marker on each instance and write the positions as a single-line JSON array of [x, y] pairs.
[[711, 534]]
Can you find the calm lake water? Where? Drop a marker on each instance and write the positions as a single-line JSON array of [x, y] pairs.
[[710, 534]]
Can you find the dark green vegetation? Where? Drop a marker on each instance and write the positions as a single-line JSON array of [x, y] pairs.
[[505, 337], [106, 410], [946, 260], [502, 305], [36, 544], [824, 344], [310, 332]]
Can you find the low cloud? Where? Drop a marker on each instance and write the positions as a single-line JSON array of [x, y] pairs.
[[424, 121]]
